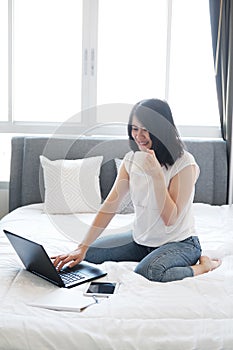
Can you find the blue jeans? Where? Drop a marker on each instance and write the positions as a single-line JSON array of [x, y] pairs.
[[169, 262]]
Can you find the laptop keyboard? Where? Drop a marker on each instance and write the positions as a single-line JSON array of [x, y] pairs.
[[69, 277]]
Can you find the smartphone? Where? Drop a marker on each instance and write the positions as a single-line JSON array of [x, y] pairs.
[[101, 289]]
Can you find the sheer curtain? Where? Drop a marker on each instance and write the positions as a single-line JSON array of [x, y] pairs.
[[221, 16]]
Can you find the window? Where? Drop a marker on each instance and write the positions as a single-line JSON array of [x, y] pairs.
[[131, 50], [130, 36], [70, 56], [192, 92], [47, 36], [3, 60]]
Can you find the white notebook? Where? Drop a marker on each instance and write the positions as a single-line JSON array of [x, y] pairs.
[[64, 299]]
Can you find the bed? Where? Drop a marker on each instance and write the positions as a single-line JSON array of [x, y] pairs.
[[195, 313]]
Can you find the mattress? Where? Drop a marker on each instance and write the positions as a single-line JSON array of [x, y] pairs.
[[195, 313]]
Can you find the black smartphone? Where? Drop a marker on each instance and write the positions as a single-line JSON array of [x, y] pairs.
[[101, 289]]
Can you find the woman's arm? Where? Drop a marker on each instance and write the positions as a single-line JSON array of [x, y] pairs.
[[172, 200], [109, 207], [102, 219]]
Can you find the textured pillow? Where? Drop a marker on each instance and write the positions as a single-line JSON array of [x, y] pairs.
[[126, 206], [71, 186]]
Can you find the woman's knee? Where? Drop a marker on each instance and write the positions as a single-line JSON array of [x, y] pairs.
[[119, 247], [153, 272], [95, 255], [158, 271]]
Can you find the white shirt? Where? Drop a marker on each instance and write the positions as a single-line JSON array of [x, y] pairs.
[[149, 228]]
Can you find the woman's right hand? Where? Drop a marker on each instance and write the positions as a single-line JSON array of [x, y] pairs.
[[76, 256]]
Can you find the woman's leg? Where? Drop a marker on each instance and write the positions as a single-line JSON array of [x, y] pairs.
[[171, 262], [118, 247]]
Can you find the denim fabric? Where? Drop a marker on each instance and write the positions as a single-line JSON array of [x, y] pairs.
[[170, 262]]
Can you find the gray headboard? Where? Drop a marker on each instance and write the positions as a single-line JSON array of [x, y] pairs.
[[25, 177]]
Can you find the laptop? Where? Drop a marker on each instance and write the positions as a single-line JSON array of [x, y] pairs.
[[37, 261]]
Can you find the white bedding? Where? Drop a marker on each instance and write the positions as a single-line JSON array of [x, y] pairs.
[[195, 313]]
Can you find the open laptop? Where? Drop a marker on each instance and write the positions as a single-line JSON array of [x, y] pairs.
[[37, 261]]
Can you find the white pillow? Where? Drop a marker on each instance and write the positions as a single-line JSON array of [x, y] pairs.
[[71, 186], [126, 206]]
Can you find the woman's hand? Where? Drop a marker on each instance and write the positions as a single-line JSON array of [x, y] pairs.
[[151, 164], [76, 256]]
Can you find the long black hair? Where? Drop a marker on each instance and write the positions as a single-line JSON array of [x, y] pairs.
[[155, 115]]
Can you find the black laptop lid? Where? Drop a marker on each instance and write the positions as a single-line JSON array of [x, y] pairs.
[[34, 258]]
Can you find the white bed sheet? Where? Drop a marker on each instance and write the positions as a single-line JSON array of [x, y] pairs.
[[195, 313]]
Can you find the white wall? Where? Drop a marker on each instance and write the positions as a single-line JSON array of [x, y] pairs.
[[4, 200]]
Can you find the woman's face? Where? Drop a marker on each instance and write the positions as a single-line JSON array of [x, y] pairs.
[[140, 135]]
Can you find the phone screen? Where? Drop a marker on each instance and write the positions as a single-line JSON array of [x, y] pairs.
[[101, 288]]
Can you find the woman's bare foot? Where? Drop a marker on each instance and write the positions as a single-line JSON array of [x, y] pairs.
[[205, 265]]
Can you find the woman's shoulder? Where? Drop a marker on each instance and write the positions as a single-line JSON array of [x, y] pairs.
[[183, 161], [187, 157], [128, 160], [128, 156]]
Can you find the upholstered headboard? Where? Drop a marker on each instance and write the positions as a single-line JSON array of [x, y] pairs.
[[26, 175]]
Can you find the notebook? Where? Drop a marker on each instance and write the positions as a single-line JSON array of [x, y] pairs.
[[37, 261], [63, 299]]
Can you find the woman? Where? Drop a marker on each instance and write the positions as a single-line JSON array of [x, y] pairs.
[[161, 177]]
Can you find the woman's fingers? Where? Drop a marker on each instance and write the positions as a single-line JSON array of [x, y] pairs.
[[75, 262], [61, 260]]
